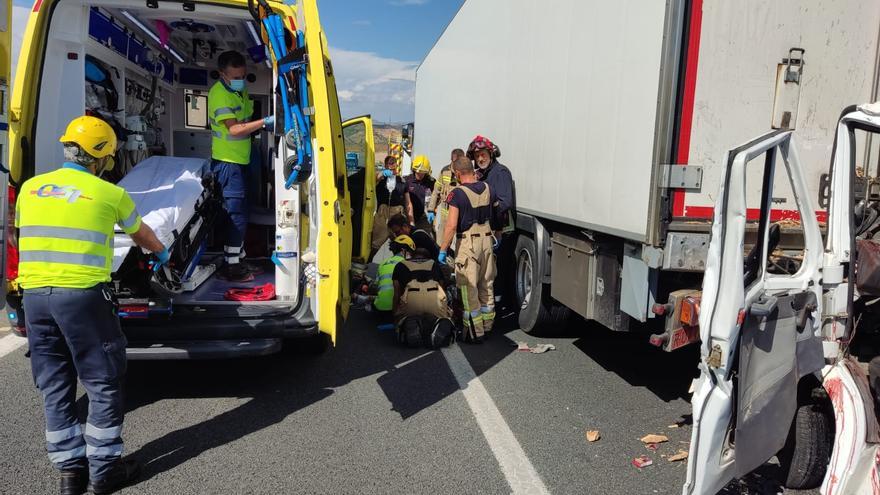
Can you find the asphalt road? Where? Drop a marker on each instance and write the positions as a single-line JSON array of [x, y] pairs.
[[371, 417]]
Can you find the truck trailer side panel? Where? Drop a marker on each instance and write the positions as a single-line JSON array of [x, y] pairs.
[[568, 89]]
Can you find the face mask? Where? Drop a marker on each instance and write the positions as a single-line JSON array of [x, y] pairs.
[[236, 84]]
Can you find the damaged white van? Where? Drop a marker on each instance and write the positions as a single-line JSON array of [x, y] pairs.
[[790, 364], [146, 67]]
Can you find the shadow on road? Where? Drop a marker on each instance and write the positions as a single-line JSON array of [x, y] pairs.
[[668, 375], [277, 386]]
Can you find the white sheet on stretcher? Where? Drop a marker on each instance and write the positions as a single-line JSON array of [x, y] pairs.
[[165, 191]]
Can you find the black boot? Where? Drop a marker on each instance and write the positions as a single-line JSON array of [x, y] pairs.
[[235, 272], [73, 481], [121, 475]]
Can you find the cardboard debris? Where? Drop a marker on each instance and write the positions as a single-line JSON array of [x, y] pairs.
[[654, 439], [680, 456], [642, 461], [593, 435]]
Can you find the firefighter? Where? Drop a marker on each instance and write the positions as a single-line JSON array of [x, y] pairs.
[[66, 224], [390, 191], [419, 188], [420, 304], [485, 155], [470, 210], [384, 303], [437, 207], [229, 111], [398, 225]]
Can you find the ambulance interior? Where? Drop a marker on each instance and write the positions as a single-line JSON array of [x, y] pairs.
[[146, 68]]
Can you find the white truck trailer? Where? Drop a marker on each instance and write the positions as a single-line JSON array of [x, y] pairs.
[[614, 118]]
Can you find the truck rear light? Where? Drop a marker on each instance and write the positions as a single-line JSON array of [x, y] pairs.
[[690, 311], [11, 240], [134, 311]]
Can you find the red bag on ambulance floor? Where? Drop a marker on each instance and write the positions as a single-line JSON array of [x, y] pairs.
[[258, 293]]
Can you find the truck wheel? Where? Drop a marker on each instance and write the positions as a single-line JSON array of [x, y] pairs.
[[538, 315], [807, 451]]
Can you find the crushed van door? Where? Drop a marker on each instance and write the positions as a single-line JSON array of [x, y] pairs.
[[759, 330]]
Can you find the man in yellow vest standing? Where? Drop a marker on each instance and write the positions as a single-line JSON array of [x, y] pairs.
[[66, 221], [229, 111]]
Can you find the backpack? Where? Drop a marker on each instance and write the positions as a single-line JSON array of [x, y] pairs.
[[425, 331]]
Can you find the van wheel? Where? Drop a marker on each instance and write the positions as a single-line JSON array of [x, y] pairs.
[[807, 451], [539, 314]]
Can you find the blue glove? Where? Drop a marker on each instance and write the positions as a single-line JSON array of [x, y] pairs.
[[162, 259], [496, 243], [442, 257], [269, 121], [387, 173], [430, 217]]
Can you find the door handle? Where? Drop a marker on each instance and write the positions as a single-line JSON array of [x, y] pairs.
[[763, 307]]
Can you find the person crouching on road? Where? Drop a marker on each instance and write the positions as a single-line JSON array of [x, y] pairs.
[[66, 224], [437, 207], [419, 188], [470, 210], [398, 225], [485, 155], [390, 198], [384, 301], [421, 308]]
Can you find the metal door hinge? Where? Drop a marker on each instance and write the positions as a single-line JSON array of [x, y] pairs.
[[794, 65], [682, 177]]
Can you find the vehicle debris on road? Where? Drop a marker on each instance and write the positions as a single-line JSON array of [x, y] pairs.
[[652, 438], [642, 461], [680, 456], [537, 349], [593, 435]]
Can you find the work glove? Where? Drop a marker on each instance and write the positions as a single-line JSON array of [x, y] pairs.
[[162, 258], [430, 217], [442, 257], [269, 121], [387, 173]]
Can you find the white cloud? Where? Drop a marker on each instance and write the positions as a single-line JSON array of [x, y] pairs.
[[368, 83], [407, 3]]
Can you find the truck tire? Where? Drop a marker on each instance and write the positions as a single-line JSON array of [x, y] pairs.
[[539, 314], [807, 451]]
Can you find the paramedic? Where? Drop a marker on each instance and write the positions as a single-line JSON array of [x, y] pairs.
[[66, 221], [384, 302], [470, 210], [419, 188], [437, 207], [485, 156], [389, 195], [420, 301], [230, 110], [422, 239]]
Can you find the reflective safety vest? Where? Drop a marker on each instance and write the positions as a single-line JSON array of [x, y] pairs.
[[225, 104], [422, 298], [66, 221], [385, 298]]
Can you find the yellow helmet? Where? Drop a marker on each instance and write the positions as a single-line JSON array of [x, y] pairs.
[[403, 241], [421, 164], [93, 135]]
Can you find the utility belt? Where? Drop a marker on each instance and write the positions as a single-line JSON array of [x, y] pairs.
[[474, 234]]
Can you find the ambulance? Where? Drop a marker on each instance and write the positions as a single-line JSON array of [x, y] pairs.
[[145, 67]]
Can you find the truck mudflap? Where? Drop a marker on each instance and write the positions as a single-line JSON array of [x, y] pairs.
[[855, 459]]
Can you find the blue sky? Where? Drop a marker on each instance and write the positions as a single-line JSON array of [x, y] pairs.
[[375, 46]]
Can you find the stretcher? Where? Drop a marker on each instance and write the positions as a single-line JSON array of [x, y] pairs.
[[180, 200]]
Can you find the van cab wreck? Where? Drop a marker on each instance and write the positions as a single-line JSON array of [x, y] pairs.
[[146, 68]]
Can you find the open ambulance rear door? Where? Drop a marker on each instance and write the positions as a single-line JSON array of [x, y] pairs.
[[760, 331], [5, 68], [360, 164]]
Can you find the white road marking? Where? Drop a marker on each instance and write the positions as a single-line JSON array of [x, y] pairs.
[[518, 470], [10, 343]]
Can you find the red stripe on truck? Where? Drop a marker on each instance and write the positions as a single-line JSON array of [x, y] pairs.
[[752, 214], [687, 100]]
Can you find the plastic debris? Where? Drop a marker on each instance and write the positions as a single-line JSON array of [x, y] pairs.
[[538, 349], [654, 438], [642, 461], [680, 456], [593, 435]]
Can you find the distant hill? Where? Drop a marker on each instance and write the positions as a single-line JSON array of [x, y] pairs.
[[383, 136]]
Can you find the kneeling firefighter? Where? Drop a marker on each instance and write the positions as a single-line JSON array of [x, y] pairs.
[[421, 309]]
